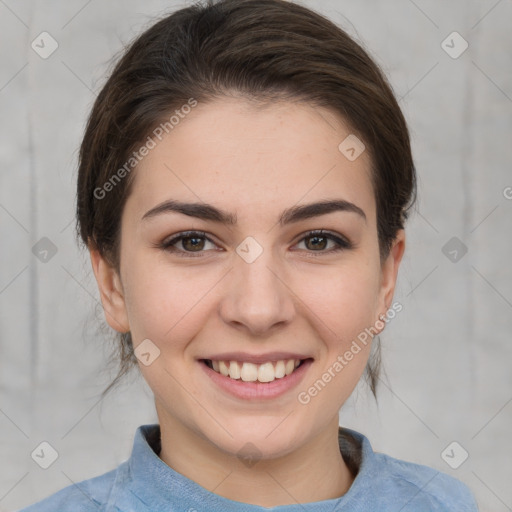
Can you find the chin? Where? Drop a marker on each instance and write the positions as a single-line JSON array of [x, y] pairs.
[[255, 438]]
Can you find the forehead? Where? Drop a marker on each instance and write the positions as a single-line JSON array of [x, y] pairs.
[[253, 160]]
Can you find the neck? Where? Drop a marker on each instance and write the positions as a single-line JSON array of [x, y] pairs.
[[314, 472]]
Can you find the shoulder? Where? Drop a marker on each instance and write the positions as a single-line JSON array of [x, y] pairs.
[[84, 496], [386, 483], [101, 493], [424, 486]]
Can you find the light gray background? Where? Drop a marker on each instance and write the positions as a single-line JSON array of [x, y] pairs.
[[447, 354]]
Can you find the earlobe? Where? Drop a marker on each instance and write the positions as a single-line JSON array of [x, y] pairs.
[[111, 292]]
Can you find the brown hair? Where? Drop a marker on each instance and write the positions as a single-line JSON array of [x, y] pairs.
[[265, 51]]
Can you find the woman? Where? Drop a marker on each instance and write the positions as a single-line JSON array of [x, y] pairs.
[[244, 180]]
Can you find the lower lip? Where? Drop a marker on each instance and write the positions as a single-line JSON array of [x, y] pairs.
[[258, 390]]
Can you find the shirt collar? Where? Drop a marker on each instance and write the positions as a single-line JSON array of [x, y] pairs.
[[153, 485]]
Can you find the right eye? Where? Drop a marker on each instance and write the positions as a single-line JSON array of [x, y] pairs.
[[191, 242]]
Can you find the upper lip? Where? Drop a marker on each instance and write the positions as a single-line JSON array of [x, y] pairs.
[[256, 358]]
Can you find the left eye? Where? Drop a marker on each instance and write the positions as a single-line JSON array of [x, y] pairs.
[[195, 241], [320, 238]]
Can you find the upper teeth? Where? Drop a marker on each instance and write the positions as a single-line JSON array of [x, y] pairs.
[[250, 372]]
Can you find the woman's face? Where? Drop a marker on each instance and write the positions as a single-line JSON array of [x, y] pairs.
[[257, 287]]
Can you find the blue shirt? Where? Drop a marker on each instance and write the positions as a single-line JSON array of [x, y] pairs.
[[144, 483]]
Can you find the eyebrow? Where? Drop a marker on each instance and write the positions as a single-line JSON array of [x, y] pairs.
[[206, 211]]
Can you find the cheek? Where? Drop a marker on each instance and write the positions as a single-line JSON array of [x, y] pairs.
[[344, 311], [163, 302], [344, 299]]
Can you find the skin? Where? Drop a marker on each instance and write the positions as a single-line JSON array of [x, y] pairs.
[[293, 297]]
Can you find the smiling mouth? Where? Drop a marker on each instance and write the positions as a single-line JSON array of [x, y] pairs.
[[250, 372]]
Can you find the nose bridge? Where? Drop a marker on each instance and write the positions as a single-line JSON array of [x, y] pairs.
[[256, 295]]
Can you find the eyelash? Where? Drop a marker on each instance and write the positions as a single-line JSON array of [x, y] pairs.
[[342, 244]]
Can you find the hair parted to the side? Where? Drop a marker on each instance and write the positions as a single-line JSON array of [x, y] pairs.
[[264, 51]]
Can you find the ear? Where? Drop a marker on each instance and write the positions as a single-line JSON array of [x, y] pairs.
[[389, 272], [111, 292]]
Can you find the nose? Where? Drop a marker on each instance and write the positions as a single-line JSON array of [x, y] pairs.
[[257, 298]]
